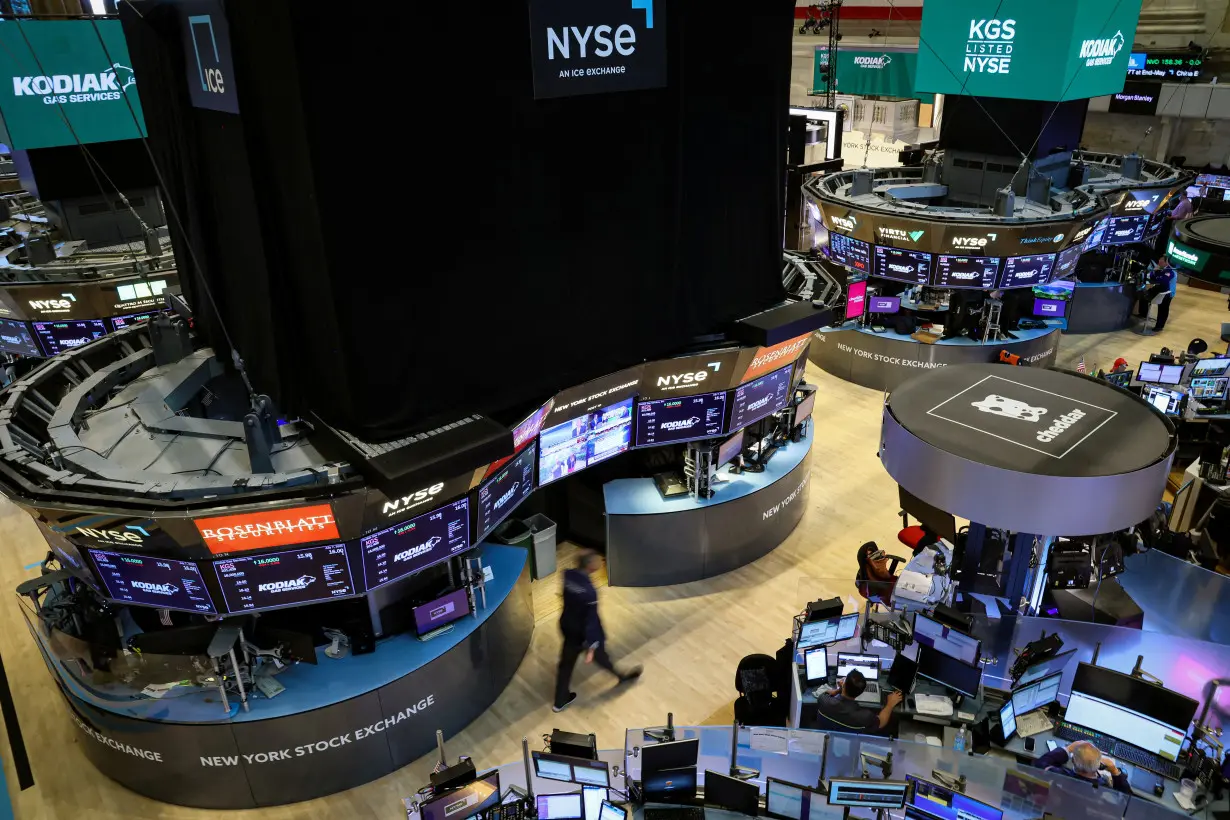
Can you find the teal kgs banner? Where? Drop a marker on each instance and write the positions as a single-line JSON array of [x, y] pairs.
[[879, 73], [1026, 49], [60, 77]]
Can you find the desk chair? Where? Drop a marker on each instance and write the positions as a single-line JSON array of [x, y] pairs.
[[917, 538], [875, 579], [758, 704], [1194, 348]]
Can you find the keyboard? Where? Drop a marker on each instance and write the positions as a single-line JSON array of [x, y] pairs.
[[686, 813], [1120, 750], [1033, 723], [937, 705]]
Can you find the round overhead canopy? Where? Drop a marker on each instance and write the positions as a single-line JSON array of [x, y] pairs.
[[1040, 451]]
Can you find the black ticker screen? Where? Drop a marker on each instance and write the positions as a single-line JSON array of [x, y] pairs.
[[501, 494], [57, 337], [761, 397], [966, 272], [1067, 261], [285, 578], [121, 322], [15, 338], [159, 582], [913, 267], [853, 253], [1125, 230], [1027, 271], [416, 544], [680, 419]]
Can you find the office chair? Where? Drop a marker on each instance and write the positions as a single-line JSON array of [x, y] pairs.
[[877, 574], [758, 704], [917, 538], [1194, 348]]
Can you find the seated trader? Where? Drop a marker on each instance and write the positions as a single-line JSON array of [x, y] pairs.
[[1086, 760], [838, 712]]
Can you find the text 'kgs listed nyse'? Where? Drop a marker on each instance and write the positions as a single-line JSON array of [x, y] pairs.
[[597, 47]]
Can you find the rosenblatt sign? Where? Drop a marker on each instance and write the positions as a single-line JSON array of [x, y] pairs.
[[276, 528]]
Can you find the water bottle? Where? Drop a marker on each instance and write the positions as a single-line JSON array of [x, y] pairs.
[[958, 742]]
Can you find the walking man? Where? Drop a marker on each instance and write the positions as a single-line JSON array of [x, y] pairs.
[[582, 628]]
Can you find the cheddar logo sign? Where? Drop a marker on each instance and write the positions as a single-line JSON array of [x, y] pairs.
[[597, 46]]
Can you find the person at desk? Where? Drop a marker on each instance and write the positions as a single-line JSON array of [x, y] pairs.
[[838, 707], [1087, 762]]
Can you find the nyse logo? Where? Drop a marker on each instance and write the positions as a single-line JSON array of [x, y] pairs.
[[54, 305], [1082, 233], [844, 223], [988, 49], [133, 536], [606, 41], [399, 505], [596, 46], [1136, 204], [973, 241], [679, 380]]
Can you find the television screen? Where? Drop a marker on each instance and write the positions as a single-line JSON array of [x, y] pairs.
[[1149, 372], [15, 337], [589, 439], [856, 299], [729, 448], [159, 582], [762, 397], [913, 267], [503, 492], [1056, 290], [57, 337], [288, 578], [852, 253], [1027, 271], [885, 304], [966, 271], [1098, 236], [1067, 261], [1167, 401], [444, 610], [1136, 98], [1124, 230], [416, 544], [680, 419], [1050, 308]]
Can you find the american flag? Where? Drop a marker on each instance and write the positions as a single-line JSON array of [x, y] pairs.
[[1080, 366]]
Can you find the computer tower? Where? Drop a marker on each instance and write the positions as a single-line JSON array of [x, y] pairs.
[[574, 744], [824, 610]]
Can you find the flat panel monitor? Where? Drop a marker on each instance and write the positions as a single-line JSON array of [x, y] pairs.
[[852, 253], [1210, 368], [1047, 666], [950, 672], [873, 794], [1152, 701], [1067, 260], [1097, 236], [943, 803], [979, 272], [58, 337], [885, 304], [576, 444], [444, 610], [729, 793], [912, 267], [832, 630], [289, 578], [15, 337], [121, 322], [856, 299], [729, 448], [612, 812], [593, 797], [591, 772], [1125, 724], [681, 418], [559, 807], [1027, 271], [669, 785], [1208, 389], [867, 665], [1050, 308], [1149, 373], [464, 802], [790, 801], [148, 581], [677, 754], [1031, 696], [803, 410], [553, 767], [499, 495], [413, 545], [816, 664], [1126, 230], [943, 638], [1007, 720], [1118, 379], [1167, 401], [1171, 374], [761, 397]]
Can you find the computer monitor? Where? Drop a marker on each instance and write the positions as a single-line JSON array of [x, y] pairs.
[[1149, 373], [902, 673], [676, 754], [669, 785], [790, 801], [1210, 368], [816, 664], [948, 671], [1118, 379], [1209, 389], [1041, 692], [1171, 374], [804, 408], [1125, 724], [1046, 666], [729, 448], [928, 632], [885, 304], [828, 631], [868, 665], [469, 800], [1167, 401], [1155, 702], [1007, 720], [444, 610], [874, 794], [557, 807], [591, 772], [942, 803], [731, 794], [592, 798], [569, 769], [612, 812]]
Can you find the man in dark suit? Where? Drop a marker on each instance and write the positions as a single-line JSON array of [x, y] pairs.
[[582, 628]]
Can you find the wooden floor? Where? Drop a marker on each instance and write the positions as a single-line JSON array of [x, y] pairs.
[[688, 637]]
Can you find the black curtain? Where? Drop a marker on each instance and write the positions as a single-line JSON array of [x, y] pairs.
[[399, 234]]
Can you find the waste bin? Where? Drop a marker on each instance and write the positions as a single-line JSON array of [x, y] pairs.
[[543, 530], [514, 533]]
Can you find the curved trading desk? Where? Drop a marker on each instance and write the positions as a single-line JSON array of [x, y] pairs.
[[884, 360], [1100, 307], [653, 541], [337, 725]]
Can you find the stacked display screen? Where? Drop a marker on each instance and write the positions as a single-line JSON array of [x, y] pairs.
[[1027, 271], [688, 418], [1126, 230], [911, 267], [414, 545], [853, 253], [289, 578], [762, 397], [966, 272], [576, 444], [157, 582], [504, 491], [59, 337], [15, 338]]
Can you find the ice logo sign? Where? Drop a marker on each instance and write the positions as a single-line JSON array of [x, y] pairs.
[[998, 405]]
